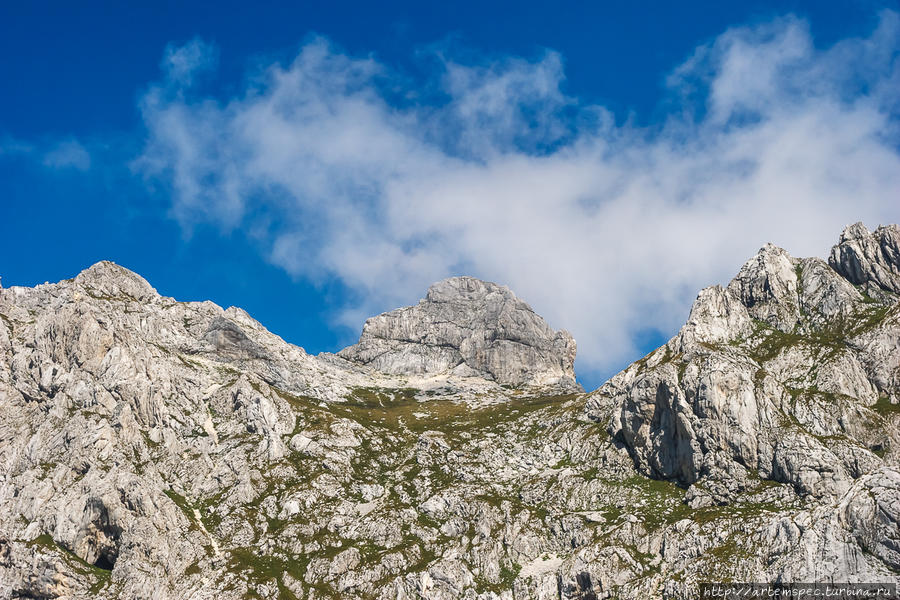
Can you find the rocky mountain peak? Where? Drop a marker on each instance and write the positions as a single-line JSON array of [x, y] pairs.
[[468, 328], [106, 278], [767, 286], [466, 289]]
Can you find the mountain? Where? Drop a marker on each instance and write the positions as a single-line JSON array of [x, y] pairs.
[[158, 449], [472, 328]]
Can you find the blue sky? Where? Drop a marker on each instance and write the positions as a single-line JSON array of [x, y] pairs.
[[315, 164]]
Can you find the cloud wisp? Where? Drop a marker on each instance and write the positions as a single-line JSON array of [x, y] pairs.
[[58, 156], [342, 168], [68, 154]]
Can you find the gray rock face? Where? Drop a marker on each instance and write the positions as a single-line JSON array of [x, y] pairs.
[[153, 448], [470, 328], [767, 286], [107, 279], [868, 259], [775, 376]]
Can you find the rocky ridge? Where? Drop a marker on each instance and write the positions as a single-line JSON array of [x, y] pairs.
[[158, 449]]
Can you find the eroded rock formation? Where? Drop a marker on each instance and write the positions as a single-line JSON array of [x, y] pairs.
[[153, 448], [472, 328]]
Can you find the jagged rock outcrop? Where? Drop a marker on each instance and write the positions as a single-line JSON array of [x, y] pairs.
[[155, 448], [470, 328], [782, 375], [871, 260]]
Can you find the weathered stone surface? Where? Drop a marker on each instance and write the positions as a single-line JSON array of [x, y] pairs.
[[767, 286], [107, 279], [868, 259], [717, 316], [148, 444], [471, 328], [787, 354], [872, 511]]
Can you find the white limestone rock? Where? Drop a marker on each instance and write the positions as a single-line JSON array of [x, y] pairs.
[[717, 317], [471, 328], [767, 286], [789, 354], [149, 444], [871, 260]]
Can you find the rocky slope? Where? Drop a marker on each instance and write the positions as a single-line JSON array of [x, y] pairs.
[[157, 449]]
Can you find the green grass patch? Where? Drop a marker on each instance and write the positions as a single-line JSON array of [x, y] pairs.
[[826, 342], [265, 568], [885, 407], [399, 410], [100, 575], [182, 503]]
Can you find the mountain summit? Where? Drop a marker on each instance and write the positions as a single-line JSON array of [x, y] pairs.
[[471, 328]]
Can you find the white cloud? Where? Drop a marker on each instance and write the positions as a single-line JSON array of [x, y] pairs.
[[13, 147], [66, 154], [181, 64], [492, 170], [69, 154]]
